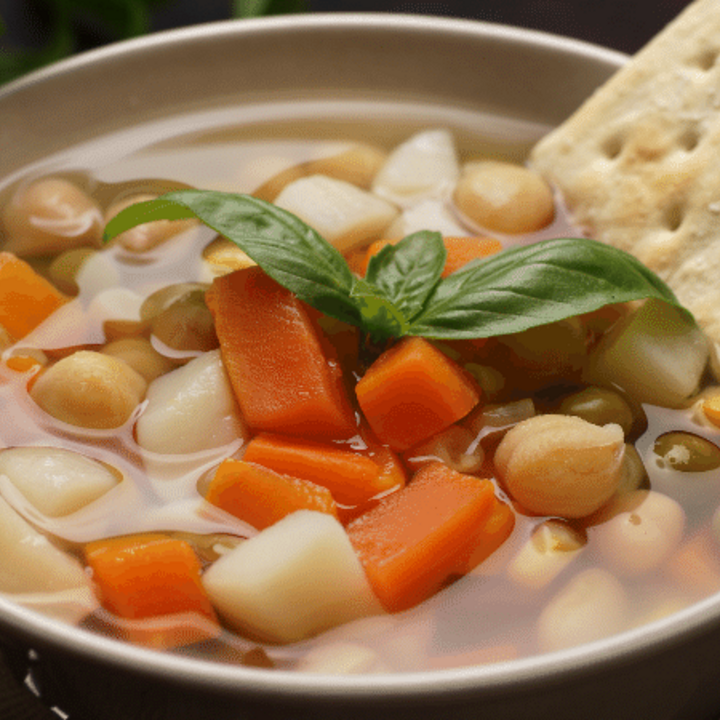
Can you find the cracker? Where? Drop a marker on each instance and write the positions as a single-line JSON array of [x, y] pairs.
[[639, 163]]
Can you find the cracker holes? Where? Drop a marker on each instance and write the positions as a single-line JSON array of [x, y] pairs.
[[613, 146], [673, 216], [689, 138], [705, 60]]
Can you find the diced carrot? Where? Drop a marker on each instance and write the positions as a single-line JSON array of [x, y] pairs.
[[490, 536], [413, 391], [460, 251], [414, 539], [261, 496], [353, 478], [142, 576], [278, 366], [22, 363], [26, 298]]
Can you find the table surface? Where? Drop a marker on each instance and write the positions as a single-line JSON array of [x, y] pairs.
[[624, 25]]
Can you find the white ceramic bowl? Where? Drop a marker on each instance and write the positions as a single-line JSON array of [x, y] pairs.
[[462, 72]]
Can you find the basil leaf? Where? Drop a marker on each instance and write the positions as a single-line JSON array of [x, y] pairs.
[[406, 273], [534, 285], [286, 248], [381, 317]]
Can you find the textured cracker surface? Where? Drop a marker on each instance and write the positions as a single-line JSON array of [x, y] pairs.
[[639, 162]]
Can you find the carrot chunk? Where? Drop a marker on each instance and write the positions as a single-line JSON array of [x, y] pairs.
[[413, 391], [414, 539], [460, 251], [353, 478], [142, 576], [279, 368], [490, 536], [26, 298], [260, 496]]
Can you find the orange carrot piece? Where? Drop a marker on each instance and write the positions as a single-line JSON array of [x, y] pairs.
[[260, 496], [460, 251], [142, 576], [353, 478], [22, 363], [414, 539], [490, 536], [279, 368], [26, 298], [413, 391]]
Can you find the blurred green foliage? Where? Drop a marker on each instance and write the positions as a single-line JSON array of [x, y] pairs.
[[112, 20]]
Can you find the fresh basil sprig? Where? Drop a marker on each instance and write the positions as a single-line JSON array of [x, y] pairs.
[[403, 292]]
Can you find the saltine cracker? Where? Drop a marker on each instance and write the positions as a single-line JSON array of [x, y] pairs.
[[639, 163]]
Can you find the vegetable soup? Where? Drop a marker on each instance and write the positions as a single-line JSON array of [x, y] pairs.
[[342, 397]]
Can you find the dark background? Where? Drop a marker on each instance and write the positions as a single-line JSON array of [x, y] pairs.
[[623, 25], [34, 31]]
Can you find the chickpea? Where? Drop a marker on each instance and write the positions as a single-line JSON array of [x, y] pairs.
[[141, 356], [162, 299], [357, 165], [591, 606], [552, 546], [637, 531], [65, 268], [600, 407], [224, 256], [50, 215], [561, 465], [504, 197], [90, 390], [187, 324], [147, 236]]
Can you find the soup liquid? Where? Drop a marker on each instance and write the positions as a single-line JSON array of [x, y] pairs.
[[479, 618]]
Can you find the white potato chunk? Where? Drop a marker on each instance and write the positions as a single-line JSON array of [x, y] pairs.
[[343, 214], [56, 481], [656, 355], [190, 409], [638, 531], [293, 580], [591, 606], [425, 164], [30, 562], [426, 215]]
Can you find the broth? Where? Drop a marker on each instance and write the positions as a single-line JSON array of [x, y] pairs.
[[478, 618]]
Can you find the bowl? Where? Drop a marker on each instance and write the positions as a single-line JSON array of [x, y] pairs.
[[504, 84]]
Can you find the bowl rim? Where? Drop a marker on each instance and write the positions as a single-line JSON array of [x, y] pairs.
[[45, 632]]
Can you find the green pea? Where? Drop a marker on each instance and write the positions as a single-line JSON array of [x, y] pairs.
[[599, 406], [686, 452]]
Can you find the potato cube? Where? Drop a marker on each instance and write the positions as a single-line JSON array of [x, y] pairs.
[[293, 580]]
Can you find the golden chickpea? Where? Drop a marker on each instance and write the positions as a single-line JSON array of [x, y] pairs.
[[224, 256], [186, 325], [504, 197], [147, 236], [637, 531], [561, 465], [90, 390], [65, 268], [358, 165], [162, 299], [51, 215], [141, 356]]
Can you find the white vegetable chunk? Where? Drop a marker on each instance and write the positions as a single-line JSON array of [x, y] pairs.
[[425, 164], [31, 563], [656, 355], [190, 409], [293, 580], [56, 481], [426, 215], [593, 605], [343, 214]]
